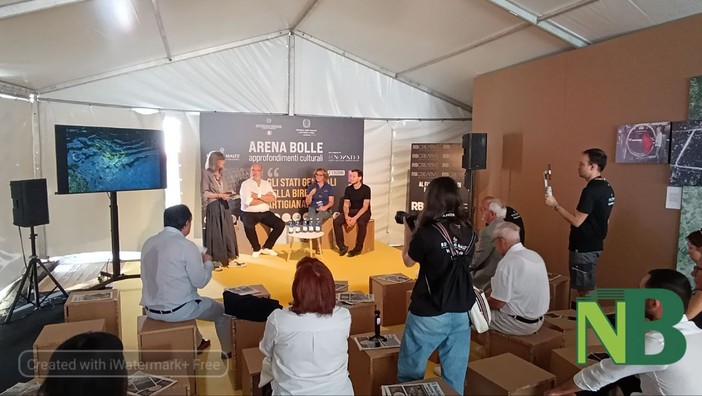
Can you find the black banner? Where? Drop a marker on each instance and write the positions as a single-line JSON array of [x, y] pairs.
[[429, 161]]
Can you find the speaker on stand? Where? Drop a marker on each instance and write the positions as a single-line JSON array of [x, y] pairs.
[[474, 158], [30, 208]]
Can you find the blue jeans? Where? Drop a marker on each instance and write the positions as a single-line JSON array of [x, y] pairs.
[[450, 332]]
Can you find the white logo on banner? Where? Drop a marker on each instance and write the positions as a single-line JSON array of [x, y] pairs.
[[306, 123], [268, 120], [337, 172], [339, 157]]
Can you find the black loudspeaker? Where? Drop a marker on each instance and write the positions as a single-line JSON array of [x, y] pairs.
[[30, 204], [475, 151]]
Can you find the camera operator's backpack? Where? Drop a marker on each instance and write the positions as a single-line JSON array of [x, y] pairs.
[[456, 279]]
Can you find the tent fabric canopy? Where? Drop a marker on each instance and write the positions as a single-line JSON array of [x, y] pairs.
[[53, 47]]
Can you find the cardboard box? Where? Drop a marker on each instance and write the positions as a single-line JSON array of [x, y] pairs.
[[371, 368], [160, 341], [559, 291], [174, 369], [53, 335], [253, 360], [362, 317], [506, 374], [390, 299], [534, 348], [565, 322], [445, 387], [245, 334], [563, 364], [242, 241], [95, 304], [328, 241]]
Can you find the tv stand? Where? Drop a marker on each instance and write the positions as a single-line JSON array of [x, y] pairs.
[[116, 274]]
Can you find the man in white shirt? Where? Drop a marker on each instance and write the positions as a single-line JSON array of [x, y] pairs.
[[670, 379], [520, 295], [172, 269], [256, 197]]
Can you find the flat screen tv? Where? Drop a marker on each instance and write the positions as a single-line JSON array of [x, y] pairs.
[[100, 159]]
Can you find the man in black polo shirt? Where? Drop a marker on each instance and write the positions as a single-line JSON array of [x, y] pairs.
[[356, 211], [588, 226]]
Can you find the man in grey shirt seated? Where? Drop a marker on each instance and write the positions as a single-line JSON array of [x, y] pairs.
[[172, 269], [486, 257]]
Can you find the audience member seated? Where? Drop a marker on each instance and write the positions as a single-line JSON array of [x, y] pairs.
[[486, 257], [520, 294], [87, 364], [172, 269], [694, 250], [305, 346], [664, 379]]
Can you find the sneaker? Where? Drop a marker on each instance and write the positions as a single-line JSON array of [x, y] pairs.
[[218, 269], [269, 252], [256, 254], [343, 250], [354, 253], [237, 264]]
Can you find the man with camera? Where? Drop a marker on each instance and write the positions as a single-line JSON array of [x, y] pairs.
[[442, 243], [356, 210]]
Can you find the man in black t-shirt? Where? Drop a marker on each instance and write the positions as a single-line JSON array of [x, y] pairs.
[[356, 211], [588, 226], [514, 217]]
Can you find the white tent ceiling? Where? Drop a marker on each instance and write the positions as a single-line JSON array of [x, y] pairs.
[[50, 46]]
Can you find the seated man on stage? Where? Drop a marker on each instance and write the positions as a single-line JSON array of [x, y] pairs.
[[256, 197], [172, 269], [356, 210]]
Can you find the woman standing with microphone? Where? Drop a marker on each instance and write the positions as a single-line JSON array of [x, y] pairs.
[[219, 237]]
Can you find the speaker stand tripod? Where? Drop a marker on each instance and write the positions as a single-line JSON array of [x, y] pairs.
[[30, 277]]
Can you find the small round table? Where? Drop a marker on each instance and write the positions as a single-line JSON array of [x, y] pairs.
[[310, 236]]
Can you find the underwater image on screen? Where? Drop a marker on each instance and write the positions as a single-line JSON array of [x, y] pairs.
[[109, 159]]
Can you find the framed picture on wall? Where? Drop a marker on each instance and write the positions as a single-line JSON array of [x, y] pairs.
[[644, 143], [694, 110], [686, 154]]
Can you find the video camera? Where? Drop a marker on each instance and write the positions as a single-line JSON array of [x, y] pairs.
[[410, 217]]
